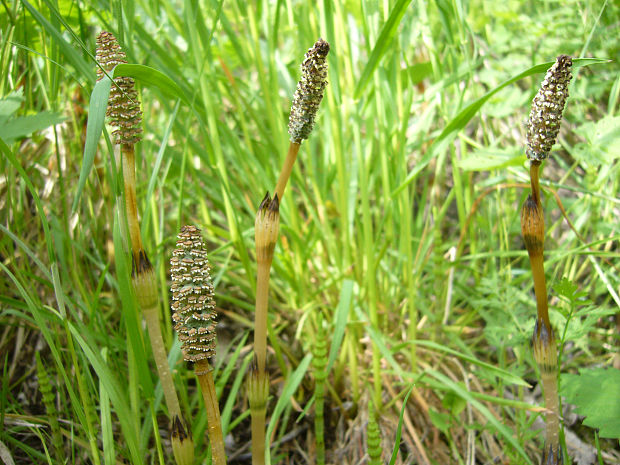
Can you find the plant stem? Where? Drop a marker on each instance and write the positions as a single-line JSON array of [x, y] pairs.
[[287, 168], [207, 386], [543, 340], [151, 316], [260, 315], [131, 205], [319, 362], [258, 435]]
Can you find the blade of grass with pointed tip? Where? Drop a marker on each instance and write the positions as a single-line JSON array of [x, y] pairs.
[[341, 317], [384, 41], [96, 120], [461, 391], [69, 52], [467, 113], [399, 429], [25, 125], [35, 196], [289, 389], [151, 77], [503, 374]]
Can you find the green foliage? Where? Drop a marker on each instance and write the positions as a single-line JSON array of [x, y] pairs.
[[417, 152], [49, 401], [594, 392], [17, 127]]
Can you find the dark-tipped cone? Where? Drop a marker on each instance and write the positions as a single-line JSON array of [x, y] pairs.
[[309, 92]]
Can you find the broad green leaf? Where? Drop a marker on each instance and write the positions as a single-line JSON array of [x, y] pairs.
[[23, 126], [96, 120], [386, 37], [596, 394], [491, 159], [10, 104], [150, 77]]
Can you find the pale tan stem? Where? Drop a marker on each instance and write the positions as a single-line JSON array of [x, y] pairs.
[[258, 436], [540, 289], [260, 315], [552, 417], [131, 205], [285, 174], [534, 181], [207, 386], [151, 316]]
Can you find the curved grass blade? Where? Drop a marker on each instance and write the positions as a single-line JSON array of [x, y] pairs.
[[341, 318], [289, 389], [151, 77], [503, 431], [384, 41], [96, 120], [399, 429], [467, 113], [70, 53]]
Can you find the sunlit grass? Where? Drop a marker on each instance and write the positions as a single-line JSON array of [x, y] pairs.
[[400, 223]]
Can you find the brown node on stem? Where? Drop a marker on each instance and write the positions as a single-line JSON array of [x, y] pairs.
[[193, 305], [544, 347], [309, 92], [533, 227], [123, 104], [266, 227], [552, 455], [144, 280], [547, 107], [182, 444], [258, 387]]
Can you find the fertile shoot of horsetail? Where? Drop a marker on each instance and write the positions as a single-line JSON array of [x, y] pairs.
[[542, 132], [194, 315], [304, 108]]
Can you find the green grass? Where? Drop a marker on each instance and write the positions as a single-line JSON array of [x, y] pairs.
[[400, 222]]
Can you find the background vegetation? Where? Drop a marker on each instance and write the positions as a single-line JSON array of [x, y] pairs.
[[400, 225]]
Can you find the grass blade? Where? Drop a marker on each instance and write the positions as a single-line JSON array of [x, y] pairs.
[[386, 37], [96, 120]]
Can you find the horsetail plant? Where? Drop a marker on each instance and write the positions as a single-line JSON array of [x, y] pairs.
[[266, 229], [542, 131], [304, 108], [373, 437], [124, 113], [193, 309], [319, 364]]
